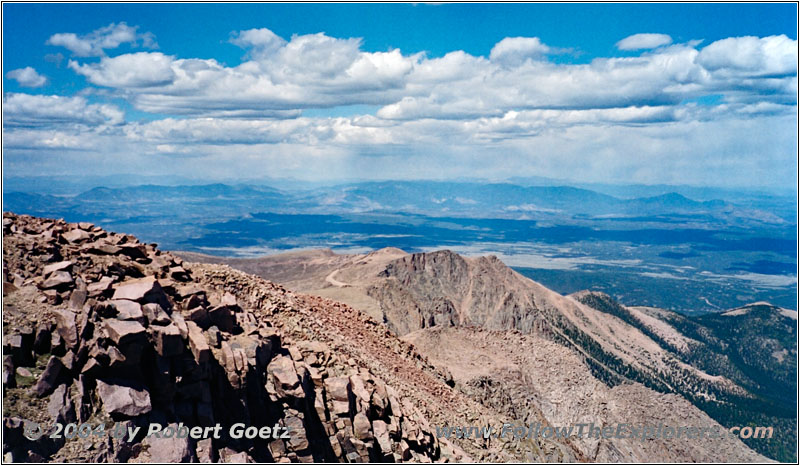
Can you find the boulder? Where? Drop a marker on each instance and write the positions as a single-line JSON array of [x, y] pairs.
[[57, 267], [362, 427], [381, 432], [284, 376], [338, 388], [214, 337], [165, 450], [20, 347], [123, 331], [77, 299], [60, 406], [76, 236], [58, 280], [67, 328], [143, 290], [155, 314], [123, 400], [99, 287], [128, 310], [168, 340], [49, 379], [198, 343], [205, 451]]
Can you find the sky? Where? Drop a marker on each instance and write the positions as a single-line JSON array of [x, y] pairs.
[[690, 94]]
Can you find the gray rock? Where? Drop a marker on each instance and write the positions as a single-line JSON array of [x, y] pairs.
[[60, 406], [20, 347], [338, 388], [99, 287], [77, 299]]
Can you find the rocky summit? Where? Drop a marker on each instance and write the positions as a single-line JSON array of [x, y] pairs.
[[105, 330]]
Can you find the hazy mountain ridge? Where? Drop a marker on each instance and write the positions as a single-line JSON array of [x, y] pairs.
[[727, 253]]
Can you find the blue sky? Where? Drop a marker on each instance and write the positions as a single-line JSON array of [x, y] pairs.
[[651, 93]]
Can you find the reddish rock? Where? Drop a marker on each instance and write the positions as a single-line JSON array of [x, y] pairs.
[[168, 340], [58, 266], [165, 450], [155, 314], [128, 310], [49, 379], [198, 343], [58, 280], [76, 236], [123, 331], [77, 299], [142, 290], [123, 400], [98, 288], [67, 328]]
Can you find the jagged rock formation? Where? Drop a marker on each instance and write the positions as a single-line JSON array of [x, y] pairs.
[[438, 297], [101, 328]]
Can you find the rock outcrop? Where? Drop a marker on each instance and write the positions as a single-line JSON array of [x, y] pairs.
[[125, 335]]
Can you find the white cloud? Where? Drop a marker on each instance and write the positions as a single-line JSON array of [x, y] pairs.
[[27, 77], [261, 42], [751, 56], [317, 71], [133, 70], [48, 110], [96, 42], [644, 41], [640, 118], [514, 51]]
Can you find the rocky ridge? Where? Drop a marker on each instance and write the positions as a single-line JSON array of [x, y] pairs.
[[101, 328]]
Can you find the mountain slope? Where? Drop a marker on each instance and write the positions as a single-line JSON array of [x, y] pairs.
[[441, 292], [103, 329]]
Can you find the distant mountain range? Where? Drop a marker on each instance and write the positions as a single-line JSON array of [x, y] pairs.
[[662, 249], [478, 200]]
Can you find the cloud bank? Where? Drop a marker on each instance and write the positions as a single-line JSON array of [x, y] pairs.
[[674, 113]]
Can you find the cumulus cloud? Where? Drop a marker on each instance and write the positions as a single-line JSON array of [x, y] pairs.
[[280, 78], [98, 41], [644, 41], [634, 116], [48, 110], [514, 51], [27, 77], [751, 56], [261, 42], [133, 70]]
